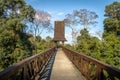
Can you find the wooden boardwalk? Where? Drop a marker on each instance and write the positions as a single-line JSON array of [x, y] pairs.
[[63, 69]]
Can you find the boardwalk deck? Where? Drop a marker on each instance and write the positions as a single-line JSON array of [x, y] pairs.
[[63, 69]]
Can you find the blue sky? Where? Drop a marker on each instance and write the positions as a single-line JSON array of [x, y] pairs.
[[59, 8]]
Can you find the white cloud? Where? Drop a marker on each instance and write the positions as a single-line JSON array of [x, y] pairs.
[[60, 13]]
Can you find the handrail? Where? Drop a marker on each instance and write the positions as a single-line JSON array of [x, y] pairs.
[[29, 68], [91, 68]]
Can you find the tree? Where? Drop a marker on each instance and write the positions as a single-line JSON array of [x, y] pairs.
[[86, 17], [38, 38], [88, 45], [113, 10], [48, 39], [14, 43], [41, 22], [83, 41], [112, 22], [110, 36], [83, 17], [71, 21]]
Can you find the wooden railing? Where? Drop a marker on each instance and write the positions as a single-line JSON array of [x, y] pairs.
[[91, 68], [29, 68]]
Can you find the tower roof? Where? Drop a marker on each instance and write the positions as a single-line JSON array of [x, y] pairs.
[[59, 31]]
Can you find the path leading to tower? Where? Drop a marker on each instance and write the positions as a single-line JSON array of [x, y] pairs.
[[64, 69]]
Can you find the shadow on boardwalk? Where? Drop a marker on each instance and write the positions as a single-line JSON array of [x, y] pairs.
[[61, 69]]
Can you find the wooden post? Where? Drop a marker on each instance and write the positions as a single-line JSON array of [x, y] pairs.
[[62, 43]]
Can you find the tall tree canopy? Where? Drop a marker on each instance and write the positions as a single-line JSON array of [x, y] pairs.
[[40, 23], [88, 44], [14, 43], [112, 22], [108, 48], [80, 17], [111, 32], [71, 22], [86, 17]]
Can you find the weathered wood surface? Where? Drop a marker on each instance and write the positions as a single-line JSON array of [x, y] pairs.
[[91, 68], [29, 68], [63, 69]]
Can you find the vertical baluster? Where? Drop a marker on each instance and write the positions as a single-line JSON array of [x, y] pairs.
[[100, 74], [37, 70], [97, 72], [26, 75], [33, 69], [82, 65], [86, 68], [30, 70], [91, 68], [21, 74], [79, 62], [40, 65]]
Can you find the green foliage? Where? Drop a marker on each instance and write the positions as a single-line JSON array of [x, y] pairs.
[[14, 41], [88, 44], [112, 22], [111, 25], [82, 17], [107, 49], [111, 53], [113, 10], [68, 46], [83, 41], [42, 44]]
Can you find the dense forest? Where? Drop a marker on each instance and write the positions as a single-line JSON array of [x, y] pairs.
[[17, 41], [21, 27], [107, 48]]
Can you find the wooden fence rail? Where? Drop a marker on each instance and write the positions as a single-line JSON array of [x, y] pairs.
[[29, 68], [91, 68]]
